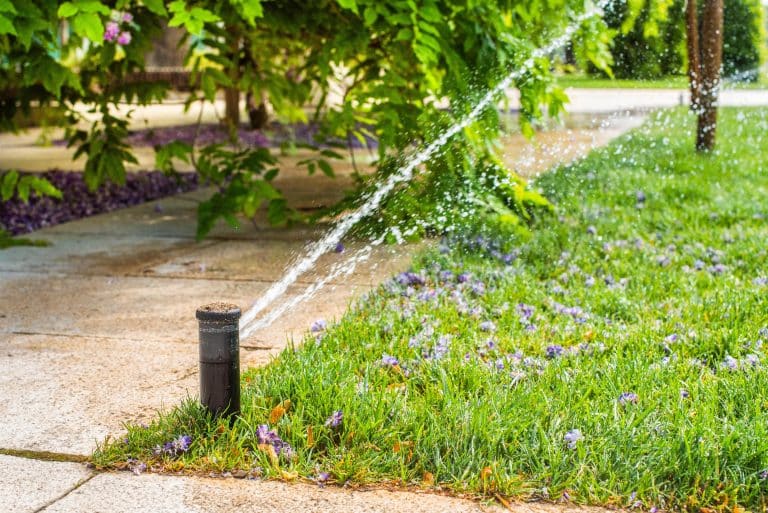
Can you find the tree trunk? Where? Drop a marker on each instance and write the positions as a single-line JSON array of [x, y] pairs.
[[232, 94], [257, 113], [711, 61], [694, 53], [232, 107]]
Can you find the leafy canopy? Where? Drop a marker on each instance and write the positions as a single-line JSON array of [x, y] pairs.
[[397, 71]]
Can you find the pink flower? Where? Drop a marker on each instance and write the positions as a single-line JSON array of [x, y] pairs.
[[124, 38], [111, 31], [127, 17]]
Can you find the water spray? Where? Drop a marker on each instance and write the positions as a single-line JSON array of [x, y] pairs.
[[404, 174]]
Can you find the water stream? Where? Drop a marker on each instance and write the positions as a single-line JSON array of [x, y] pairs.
[[249, 323]]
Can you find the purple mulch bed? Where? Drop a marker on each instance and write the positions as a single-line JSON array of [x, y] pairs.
[[274, 136], [17, 217]]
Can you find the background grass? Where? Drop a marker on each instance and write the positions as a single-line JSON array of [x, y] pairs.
[[637, 317], [674, 82]]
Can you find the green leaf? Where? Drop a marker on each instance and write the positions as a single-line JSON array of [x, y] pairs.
[[277, 212], [44, 188], [404, 34], [265, 190], [46, 70], [326, 168], [249, 9], [203, 15], [156, 7], [370, 15], [348, 4], [9, 184], [331, 154], [177, 6], [193, 20], [431, 13], [6, 27], [67, 10], [92, 6], [22, 188], [164, 155], [7, 6], [6, 241], [26, 28], [231, 220], [88, 25]]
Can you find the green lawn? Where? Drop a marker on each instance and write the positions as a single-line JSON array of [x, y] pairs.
[[613, 357], [677, 82]]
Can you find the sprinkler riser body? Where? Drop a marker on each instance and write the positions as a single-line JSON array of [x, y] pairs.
[[219, 359]]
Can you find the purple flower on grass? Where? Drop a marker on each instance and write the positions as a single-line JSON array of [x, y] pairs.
[[136, 466], [427, 295], [573, 437], [760, 281], [339, 248], [463, 277], [487, 326], [524, 311], [730, 363], [111, 31], [441, 347], [684, 394], [554, 351], [508, 258], [591, 230], [335, 419], [389, 360], [446, 275], [318, 325], [718, 269], [671, 338], [124, 38], [410, 278], [640, 197], [628, 398], [322, 478], [174, 447], [267, 436]]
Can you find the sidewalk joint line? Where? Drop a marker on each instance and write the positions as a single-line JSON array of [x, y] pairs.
[[44, 455], [80, 335], [63, 495]]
